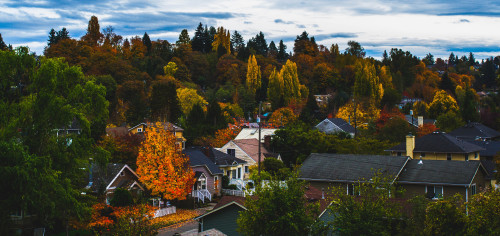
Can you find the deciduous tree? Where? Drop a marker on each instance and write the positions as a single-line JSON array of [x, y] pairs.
[[253, 81], [162, 166]]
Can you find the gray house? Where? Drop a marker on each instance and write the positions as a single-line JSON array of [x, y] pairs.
[[335, 125]]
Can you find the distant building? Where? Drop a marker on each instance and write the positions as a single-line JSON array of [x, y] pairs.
[[335, 125]]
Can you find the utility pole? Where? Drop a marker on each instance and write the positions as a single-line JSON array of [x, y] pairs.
[[355, 128], [258, 121]]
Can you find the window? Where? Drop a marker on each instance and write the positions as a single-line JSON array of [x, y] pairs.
[[448, 156], [216, 182], [239, 172], [473, 189], [233, 174], [231, 152], [466, 157], [434, 192], [247, 169], [422, 154], [228, 174], [350, 189], [398, 154], [139, 130], [475, 155]]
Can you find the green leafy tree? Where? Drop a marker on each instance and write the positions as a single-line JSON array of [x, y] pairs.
[[275, 89], [483, 214], [449, 121], [121, 198], [446, 217], [253, 81], [278, 209], [373, 213], [164, 103], [355, 49]]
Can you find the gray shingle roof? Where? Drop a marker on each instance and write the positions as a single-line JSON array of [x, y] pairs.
[[223, 159], [349, 167], [474, 130], [491, 148], [101, 177], [439, 172], [342, 124], [439, 142], [197, 158]]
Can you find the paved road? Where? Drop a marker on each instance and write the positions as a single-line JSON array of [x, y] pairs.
[[179, 228]]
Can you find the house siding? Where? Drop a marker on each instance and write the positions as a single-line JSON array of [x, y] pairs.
[[223, 220], [210, 180], [442, 156]]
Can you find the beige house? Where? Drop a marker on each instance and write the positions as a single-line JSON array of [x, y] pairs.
[[178, 131], [437, 146]]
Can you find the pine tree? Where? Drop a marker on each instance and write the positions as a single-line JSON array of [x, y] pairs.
[[273, 50], [282, 55], [197, 43], [3, 46], [258, 43], [52, 37], [253, 81], [237, 42], [147, 42]]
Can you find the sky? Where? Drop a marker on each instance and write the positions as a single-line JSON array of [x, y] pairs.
[[418, 26]]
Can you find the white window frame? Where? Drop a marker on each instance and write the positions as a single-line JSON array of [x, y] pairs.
[[473, 189], [247, 169], [436, 196], [139, 130]]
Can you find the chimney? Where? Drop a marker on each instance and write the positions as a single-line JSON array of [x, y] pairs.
[[267, 142], [420, 121], [410, 145]]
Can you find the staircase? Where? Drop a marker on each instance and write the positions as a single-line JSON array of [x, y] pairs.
[[202, 194], [238, 182]]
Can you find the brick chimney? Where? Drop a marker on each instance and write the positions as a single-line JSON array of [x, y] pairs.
[[267, 142], [410, 145], [420, 121]]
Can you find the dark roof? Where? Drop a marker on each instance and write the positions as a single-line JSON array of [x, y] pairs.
[[349, 167], [101, 177], [439, 142], [117, 131], [223, 159], [197, 158], [415, 120], [490, 167], [166, 126], [491, 148], [342, 124], [439, 172], [227, 199], [474, 130]]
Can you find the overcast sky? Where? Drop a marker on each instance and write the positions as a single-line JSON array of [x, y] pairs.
[[418, 26]]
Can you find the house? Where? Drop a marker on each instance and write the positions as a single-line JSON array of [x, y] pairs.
[[441, 178], [418, 121], [326, 170], [208, 175], [117, 131], [229, 164], [178, 131], [475, 131], [432, 178], [114, 175], [335, 125], [72, 128], [437, 146], [253, 133], [225, 213], [246, 150]]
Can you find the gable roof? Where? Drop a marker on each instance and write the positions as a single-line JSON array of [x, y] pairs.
[[251, 148], [330, 167], [224, 202], [439, 172], [197, 158], [342, 124], [117, 131], [474, 130], [166, 126], [250, 133], [439, 142], [223, 159], [102, 178]]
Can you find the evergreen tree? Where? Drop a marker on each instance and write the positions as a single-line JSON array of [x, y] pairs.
[[385, 58], [273, 50], [446, 83], [199, 39], [309, 114], [62, 34], [237, 42], [52, 37], [258, 43], [282, 55], [164, 104], [429, 59], [215, 119], [147, 42], [183, 38], [3, 46], [355, 49], [209, 38], [472, 60], [451, 60]]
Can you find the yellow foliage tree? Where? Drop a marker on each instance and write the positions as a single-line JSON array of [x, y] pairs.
[[188, 98], [223, 37], [253, 75], [365, 112], [282, 117], [442, 103], [170, 69], [290, 78], [161, 165]]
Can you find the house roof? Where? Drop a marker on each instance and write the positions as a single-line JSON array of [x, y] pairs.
[[474, 130], [250, 133], [330, 167], [491, 148], [223, 159], [490, 167], [103, 177], [224, 202], [439, 172], [117, 131], [251, 147], [439, 142], [197, 158], [342, 124], [166, 125]]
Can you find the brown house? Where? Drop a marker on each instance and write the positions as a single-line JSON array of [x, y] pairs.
[[107, 180]]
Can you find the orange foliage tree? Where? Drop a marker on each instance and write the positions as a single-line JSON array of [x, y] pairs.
[[426, 129], [162, 166], [128, 220], [282, 117], [222, 136]]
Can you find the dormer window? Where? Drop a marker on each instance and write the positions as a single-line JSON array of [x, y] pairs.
[[139, 130]]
